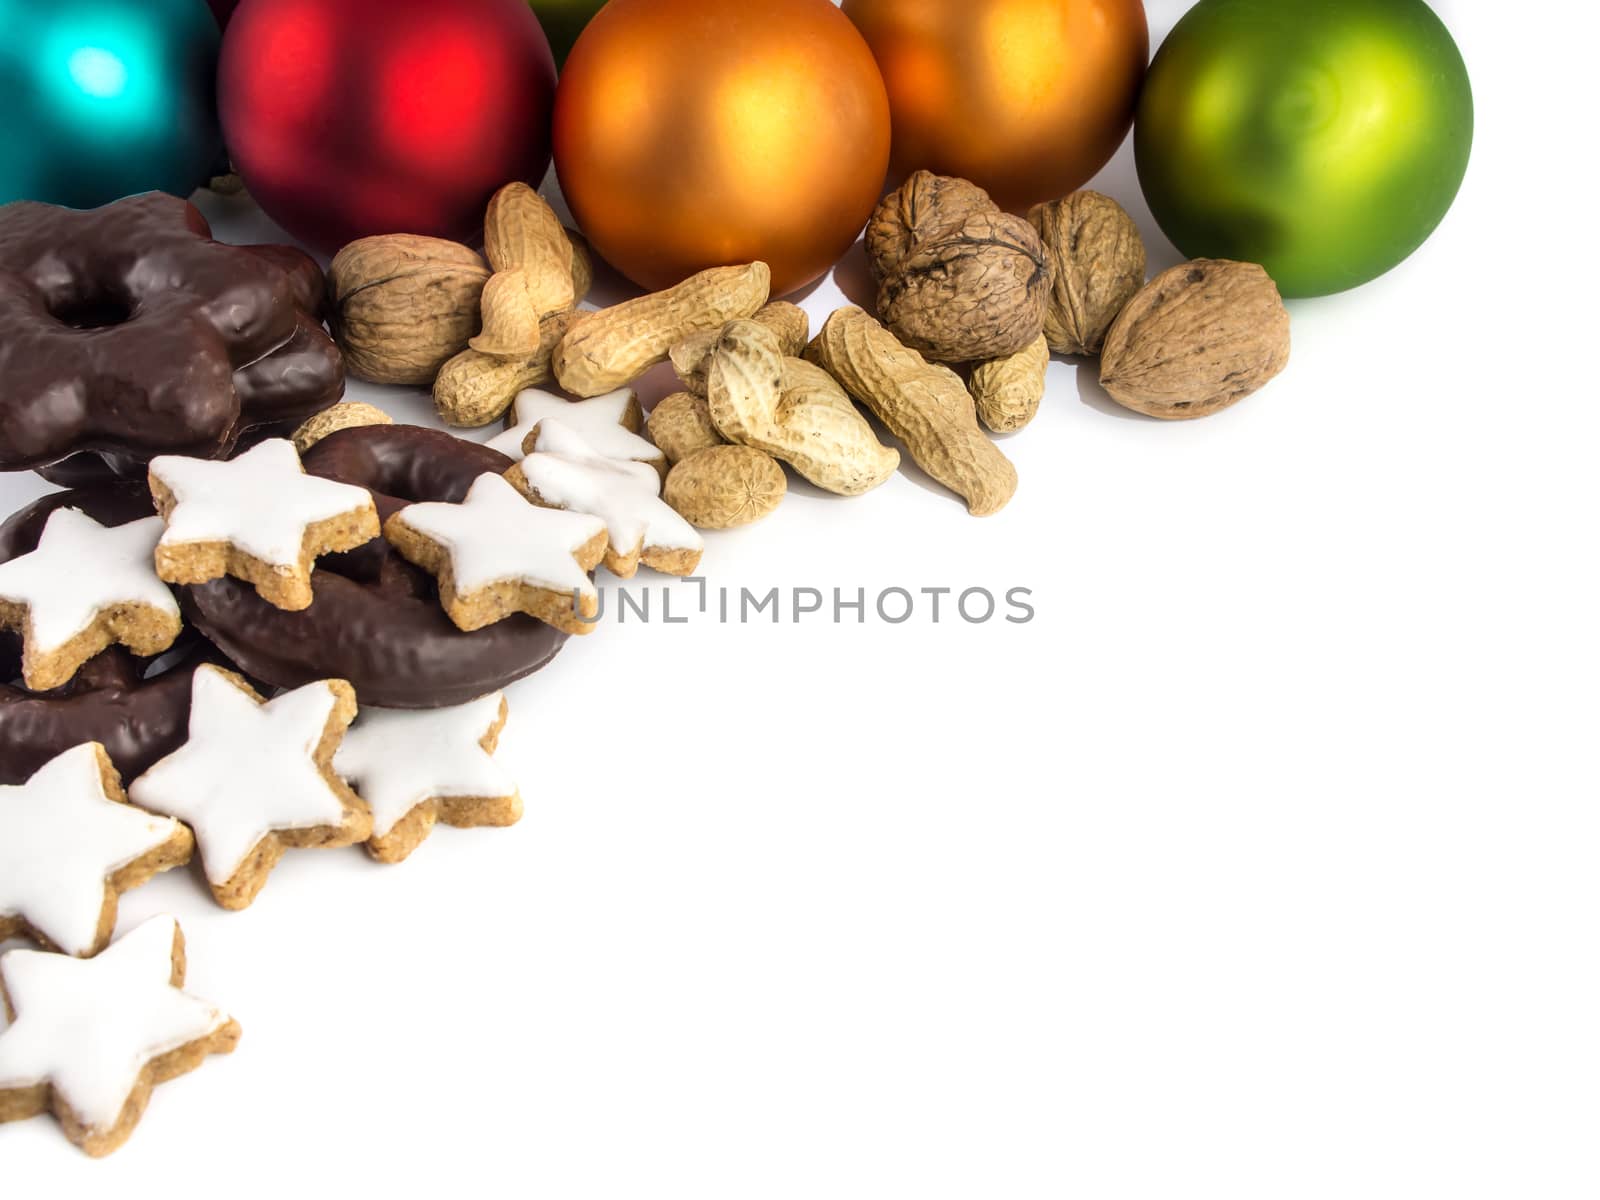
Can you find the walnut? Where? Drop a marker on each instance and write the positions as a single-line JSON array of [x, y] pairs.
[[958, 279], [1097, 264], [1198, 338], [404, 305]]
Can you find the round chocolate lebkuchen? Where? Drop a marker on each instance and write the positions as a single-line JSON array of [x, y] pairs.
[[126, 332]]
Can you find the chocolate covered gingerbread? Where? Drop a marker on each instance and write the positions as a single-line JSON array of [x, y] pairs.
[[126, 332]]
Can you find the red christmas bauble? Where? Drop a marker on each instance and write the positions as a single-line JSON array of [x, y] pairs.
[[384, 116]]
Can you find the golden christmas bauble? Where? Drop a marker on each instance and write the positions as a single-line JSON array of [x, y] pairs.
[[1028, 98], [696, 133]]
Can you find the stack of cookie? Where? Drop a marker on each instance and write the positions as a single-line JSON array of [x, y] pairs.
[[238, 633]]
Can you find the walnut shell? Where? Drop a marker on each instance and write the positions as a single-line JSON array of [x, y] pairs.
[[1097, 261], [404, 305], [725, 486], [1195, 340], [958, 279]]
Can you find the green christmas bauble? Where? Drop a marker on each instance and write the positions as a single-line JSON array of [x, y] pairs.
[[563, 21], [105, 98], [1323, 139]]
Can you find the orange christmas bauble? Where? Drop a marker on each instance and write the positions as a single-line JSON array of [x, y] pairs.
[[698, 133], [1028, 98]]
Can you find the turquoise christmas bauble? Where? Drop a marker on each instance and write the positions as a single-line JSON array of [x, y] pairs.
[[106, 98], [1323, 139]]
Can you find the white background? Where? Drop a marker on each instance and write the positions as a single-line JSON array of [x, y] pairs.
[[1261, 864]]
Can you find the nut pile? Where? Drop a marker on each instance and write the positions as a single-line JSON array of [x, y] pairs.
[[971, 303], [422, 311], [1193, 341]]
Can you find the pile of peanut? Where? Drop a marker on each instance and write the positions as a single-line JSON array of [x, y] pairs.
[[971, 303]]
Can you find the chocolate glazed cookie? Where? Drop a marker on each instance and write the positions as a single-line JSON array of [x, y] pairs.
[[139, 716], [127, 332], [376, 619]]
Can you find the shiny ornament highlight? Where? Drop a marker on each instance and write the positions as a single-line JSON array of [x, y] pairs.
[[696, 133], [106, 98], [1323, 139], [384, 116], [1027, 98]]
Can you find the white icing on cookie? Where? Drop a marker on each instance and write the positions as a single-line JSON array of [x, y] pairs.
[[80, 569], [247, 770], [566, 471], [262, 502], [88, 1027], [598, 421], [495, 535], [398, 759], [61, 838]]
